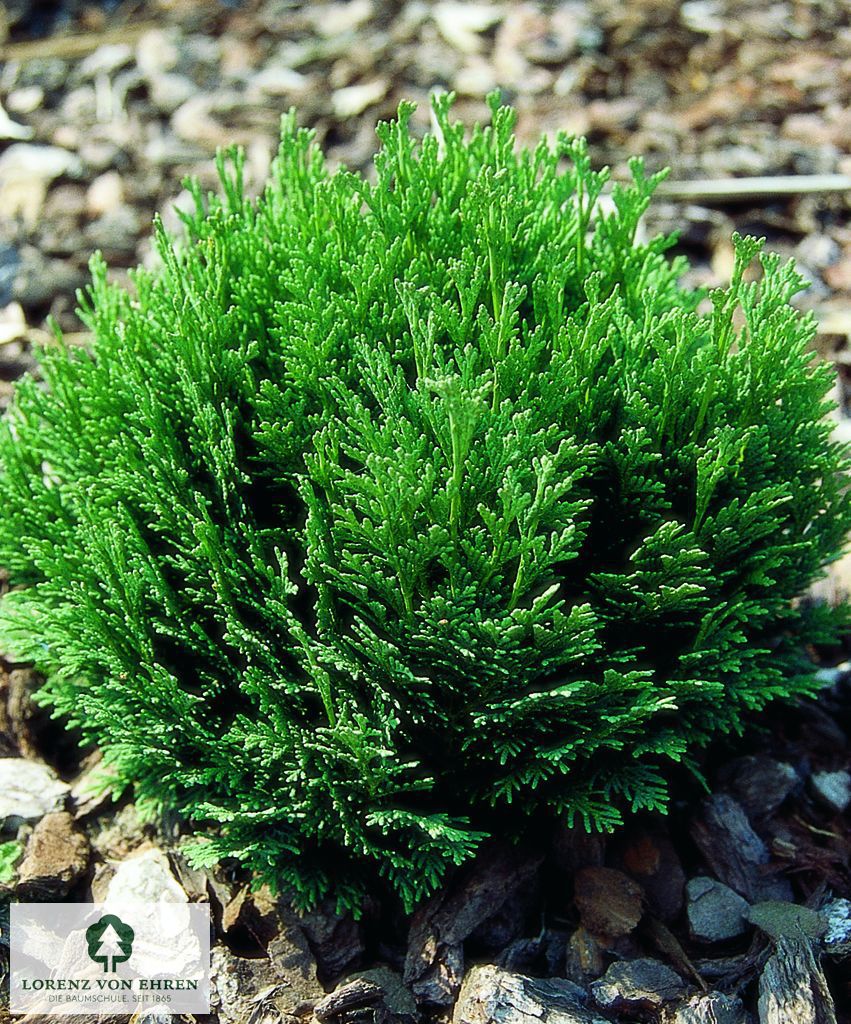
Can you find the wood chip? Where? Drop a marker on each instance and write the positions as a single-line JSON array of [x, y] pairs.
[[793, 989], [353, 996], [492, 996], [609, 902], [734, 190], [736, 854], [70, 47]]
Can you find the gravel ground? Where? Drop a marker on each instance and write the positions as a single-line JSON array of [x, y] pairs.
[[104, 110], [107, 108]]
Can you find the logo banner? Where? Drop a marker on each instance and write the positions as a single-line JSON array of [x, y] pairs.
[[76, 958]]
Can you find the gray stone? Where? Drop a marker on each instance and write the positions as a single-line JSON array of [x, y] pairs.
[[636, 986], [170, 91], [146, 877], [715, 912], [39, 279], [158, 51], [9, 263], [105, 194], [63, 208], [278, 80], [99, 154], [817, 251], [28, 791], [79, 107], [115, 232], [710, 1008], [493, 996], [832, 789], [167, 151], [48, 73], [195, 882], [25, 160]]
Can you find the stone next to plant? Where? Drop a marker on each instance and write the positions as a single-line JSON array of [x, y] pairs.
[[391, 513]]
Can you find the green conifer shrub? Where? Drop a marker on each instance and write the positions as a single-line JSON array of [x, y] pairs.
[[386, 515]]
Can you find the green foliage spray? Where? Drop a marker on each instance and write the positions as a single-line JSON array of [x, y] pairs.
[[382, 512]]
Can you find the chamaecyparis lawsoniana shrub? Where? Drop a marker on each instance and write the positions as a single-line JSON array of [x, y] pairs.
[[386, 515]]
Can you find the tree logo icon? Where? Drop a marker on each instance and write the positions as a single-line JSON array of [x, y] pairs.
[[110, 941]]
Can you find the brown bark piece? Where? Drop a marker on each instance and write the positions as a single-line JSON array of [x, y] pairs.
[[793, 987], [610, 903], [57, 855]]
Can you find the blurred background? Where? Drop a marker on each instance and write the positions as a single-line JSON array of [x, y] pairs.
[[106, 107]]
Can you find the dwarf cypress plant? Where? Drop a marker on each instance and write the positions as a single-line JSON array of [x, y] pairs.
[[384, 514]]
